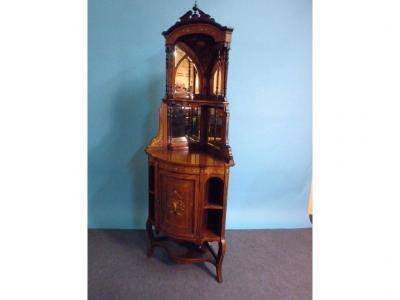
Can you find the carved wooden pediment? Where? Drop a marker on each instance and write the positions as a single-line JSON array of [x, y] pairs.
[[196, 15]]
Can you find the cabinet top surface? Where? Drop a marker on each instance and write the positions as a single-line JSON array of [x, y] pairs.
[[191, 158]]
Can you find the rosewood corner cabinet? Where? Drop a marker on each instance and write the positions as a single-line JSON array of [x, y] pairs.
[[190, 157]]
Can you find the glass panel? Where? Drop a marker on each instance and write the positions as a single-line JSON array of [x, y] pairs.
[[186, 75], [179, 54], [219, 125], [177, 121], [215, 126], [211, 125], [193, 124], [196, 82], [217, 82]]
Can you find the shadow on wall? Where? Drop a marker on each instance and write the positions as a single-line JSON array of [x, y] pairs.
[[117, 164]]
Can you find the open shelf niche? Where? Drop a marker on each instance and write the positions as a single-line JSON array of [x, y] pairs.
[[214, 206], [213, 221], [215, 193]]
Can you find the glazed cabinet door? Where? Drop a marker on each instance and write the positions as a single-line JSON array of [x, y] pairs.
[[178, 202]]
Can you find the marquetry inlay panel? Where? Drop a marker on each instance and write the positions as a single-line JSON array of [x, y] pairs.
[[177, 203]]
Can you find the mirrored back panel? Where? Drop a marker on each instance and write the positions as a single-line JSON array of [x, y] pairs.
[[196, 126], [184, 125]]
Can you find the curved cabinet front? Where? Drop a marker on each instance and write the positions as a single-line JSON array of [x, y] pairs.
[[178, 195]]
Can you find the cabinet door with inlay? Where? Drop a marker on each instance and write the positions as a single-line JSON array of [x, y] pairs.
[[178, 202]]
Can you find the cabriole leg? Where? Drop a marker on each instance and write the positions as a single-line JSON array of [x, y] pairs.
[[220, 258]]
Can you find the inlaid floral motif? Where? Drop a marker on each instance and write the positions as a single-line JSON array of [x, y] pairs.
[[175, 205]]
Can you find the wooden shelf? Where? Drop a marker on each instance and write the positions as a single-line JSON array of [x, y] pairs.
[[191, 158], [198, 102], [214, 206], [210, 235]]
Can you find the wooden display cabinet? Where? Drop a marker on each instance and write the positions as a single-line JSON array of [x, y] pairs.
[[190, 157]]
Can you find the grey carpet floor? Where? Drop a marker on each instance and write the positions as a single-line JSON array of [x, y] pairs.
[[259, 264]]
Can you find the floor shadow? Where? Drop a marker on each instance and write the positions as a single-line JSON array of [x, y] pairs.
[[136, 240], [206, 268], [162, 256]]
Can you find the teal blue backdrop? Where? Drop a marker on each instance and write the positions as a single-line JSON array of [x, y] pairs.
[[269, 89]]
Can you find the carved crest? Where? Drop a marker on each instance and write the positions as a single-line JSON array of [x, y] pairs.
[[196, 15]]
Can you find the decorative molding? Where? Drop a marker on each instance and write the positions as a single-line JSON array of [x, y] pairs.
[[160, 142]]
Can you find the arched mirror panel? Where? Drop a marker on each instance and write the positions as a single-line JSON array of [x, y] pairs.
[[186, 75], [217, 81]]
